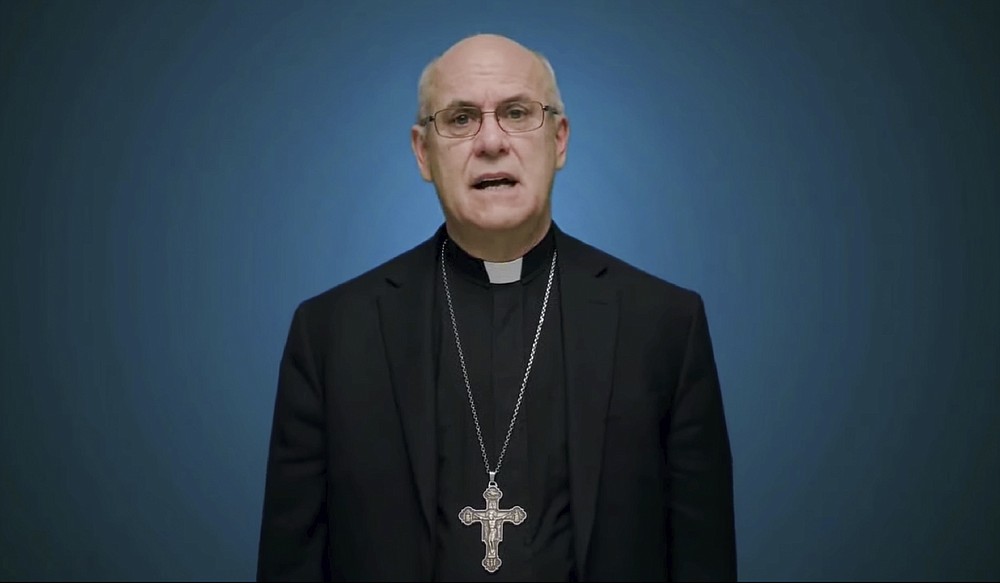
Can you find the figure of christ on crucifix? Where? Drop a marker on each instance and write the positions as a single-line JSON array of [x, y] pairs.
[[492, 519]]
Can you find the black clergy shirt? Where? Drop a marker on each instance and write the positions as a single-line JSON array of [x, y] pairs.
[[496, 327]]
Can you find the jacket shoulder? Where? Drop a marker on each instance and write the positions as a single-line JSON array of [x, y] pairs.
[[363, 287], [638, 284]]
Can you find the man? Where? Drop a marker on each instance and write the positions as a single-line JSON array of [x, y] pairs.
[[503, 401]]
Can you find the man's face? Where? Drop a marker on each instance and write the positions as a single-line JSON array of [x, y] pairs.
[[488, 72]]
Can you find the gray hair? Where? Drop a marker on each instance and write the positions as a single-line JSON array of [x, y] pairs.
[[426, 77]]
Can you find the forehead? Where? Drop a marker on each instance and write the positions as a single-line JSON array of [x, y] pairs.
[[487, 72]]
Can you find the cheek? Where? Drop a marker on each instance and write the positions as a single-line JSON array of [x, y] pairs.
[[449, 181], [540, 167], [449, 170]]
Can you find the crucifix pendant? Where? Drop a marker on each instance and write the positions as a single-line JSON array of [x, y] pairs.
[[492, 518]]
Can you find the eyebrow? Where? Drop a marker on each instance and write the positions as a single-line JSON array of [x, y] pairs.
[[467, 103]]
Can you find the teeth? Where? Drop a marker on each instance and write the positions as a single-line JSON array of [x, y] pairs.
[[495, 183]]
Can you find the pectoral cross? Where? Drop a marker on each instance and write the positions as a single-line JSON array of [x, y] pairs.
[[492, 519]]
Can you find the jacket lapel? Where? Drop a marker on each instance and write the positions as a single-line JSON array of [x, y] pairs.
[[590, 324], [406, 314]]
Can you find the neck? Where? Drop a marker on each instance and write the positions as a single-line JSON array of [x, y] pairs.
[[499, 246]]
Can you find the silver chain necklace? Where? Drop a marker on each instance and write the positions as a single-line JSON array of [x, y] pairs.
[[492, 518]]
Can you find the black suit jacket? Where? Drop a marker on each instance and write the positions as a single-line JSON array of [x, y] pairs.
[[351, 472]]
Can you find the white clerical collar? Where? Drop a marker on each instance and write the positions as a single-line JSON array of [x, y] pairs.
[[505, 272]]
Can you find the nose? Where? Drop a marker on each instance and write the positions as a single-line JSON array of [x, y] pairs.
[[491, 141]]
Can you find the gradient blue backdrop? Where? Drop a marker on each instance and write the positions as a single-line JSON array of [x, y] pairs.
[[177, 176]]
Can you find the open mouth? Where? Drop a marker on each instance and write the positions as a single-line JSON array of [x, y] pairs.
[[494, 183]]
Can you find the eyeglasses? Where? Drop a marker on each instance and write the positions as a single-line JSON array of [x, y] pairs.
[[465, 121]]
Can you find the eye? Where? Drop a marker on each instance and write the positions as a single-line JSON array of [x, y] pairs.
[[460, 117], [516, 112]]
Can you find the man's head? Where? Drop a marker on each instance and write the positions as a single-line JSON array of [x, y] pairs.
[[494, 181]]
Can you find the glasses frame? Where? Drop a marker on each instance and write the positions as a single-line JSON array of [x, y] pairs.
[[433, 117]]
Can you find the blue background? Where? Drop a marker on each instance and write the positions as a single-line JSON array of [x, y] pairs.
[[176, 176]]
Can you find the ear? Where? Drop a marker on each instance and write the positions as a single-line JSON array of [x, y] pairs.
[[562, 141], [418, 141]]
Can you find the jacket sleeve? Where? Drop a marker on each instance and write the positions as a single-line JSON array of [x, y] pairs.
[[702, 529], [293, 537]]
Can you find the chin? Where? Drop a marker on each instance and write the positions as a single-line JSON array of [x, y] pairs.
[[504, 217], [496, 211], [504, 222]]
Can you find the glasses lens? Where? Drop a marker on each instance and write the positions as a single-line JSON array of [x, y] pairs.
[[520, 116], [458, 122]]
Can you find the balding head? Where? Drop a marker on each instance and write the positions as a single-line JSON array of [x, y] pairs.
[[483, 48]]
